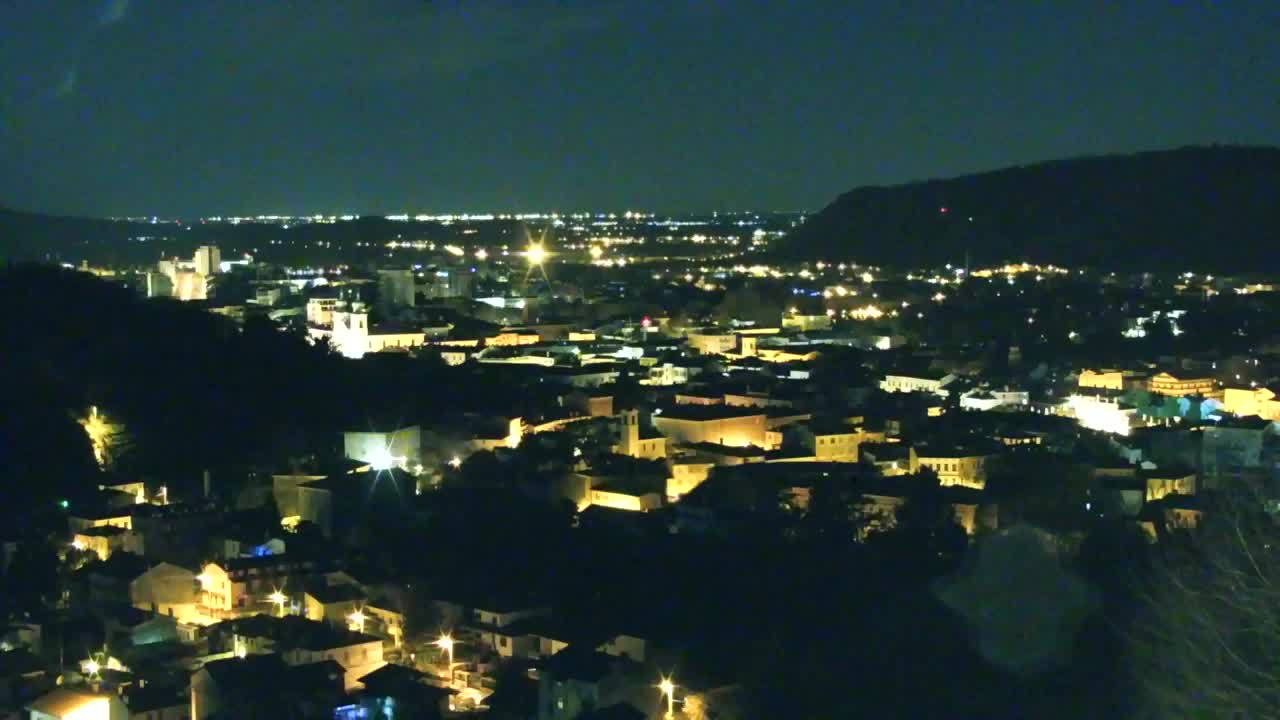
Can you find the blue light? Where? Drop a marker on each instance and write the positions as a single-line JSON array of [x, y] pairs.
[[261, 551]]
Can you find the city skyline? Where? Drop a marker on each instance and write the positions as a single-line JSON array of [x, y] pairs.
[[199, 109]]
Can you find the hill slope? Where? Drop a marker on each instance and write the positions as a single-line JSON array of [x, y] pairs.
[[1204, 208]]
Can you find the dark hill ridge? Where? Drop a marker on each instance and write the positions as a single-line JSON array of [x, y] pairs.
[[1204, 208]]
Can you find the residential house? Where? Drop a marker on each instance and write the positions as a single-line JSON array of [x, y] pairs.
[[73, 704]]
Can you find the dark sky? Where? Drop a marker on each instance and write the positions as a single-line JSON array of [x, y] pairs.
[[181, 107]]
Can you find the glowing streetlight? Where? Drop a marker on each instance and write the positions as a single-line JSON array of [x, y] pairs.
[[357, 619], [536, 254], [455, 462], [278, 599], [92, 667], [482, 254], [596, 252], [446, 643], [668, 688]]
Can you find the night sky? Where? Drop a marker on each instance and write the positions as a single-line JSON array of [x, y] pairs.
[[183, 107]]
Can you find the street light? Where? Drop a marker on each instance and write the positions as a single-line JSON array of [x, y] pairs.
[[446, 643], [278, 599], [92, 667], [536, 254], [668, 688], [357, 618]]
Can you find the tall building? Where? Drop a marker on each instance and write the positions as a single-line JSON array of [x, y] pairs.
[[396, 288], [208, 260], [451, 283]]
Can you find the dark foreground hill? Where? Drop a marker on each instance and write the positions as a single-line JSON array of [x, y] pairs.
[[1203, 208]]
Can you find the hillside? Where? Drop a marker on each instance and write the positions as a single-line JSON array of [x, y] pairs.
[[1206, 208]]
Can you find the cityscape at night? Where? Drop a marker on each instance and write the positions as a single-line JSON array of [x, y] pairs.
[[570, 361]]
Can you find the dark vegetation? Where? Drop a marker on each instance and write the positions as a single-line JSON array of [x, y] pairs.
[[1200, 208]]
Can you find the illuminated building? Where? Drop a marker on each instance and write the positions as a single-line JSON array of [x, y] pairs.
[[1101, 379], [400, 447], [208, 260], [633, 494], [928, 382], [332, 603], [966, 468], [1259, 401], [805, 323], [105, 540], [171, 590], [691, 424], [1101, 413], [637, 441], [1171, 481], [1168, 384], [352, 337], [320, 311], [985, 399], [685, 476], [68, 704]]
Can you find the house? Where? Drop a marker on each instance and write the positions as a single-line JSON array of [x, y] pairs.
[[332, 603], [1260, 401], [264, 687], [103, 540], [953, 465], [148, 701], [638, 494], [1171, 480], [577, 681], [399, 691], [68, 704], [244, 584], [929, 381], [382, 450], [299, 641], [1171, 385], [1110, 379], [170, 590]]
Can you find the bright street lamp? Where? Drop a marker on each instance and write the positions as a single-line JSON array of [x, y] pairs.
[[91, 667], [357, 619], [536, 254], [278, 599], [446, 643], [668, 688]]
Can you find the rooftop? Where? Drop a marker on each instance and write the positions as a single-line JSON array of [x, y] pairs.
[[703, 413]]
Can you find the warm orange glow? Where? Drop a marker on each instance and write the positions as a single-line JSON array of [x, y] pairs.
[[536, 254]]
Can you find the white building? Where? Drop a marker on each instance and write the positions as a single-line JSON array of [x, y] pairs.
[[400, 448], [208, 260], [991, 399], [352, 337], [922, 382], [1102, 414]]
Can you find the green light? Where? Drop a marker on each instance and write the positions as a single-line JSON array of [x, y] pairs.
[[64, 504]]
